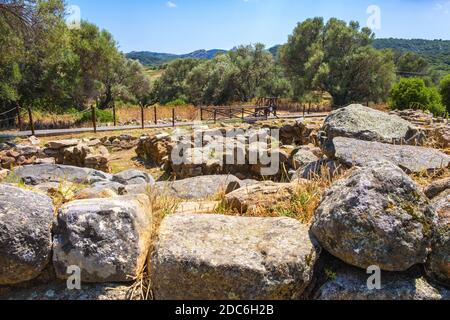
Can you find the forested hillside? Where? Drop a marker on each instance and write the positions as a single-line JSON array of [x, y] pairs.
[[436, 52], [154, 58]]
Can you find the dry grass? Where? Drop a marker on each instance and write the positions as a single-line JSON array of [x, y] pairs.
[[301, 206], [161, 206], [128, 113], [425, 178]]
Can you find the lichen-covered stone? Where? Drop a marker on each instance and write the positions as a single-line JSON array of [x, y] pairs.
[[37, 174], [196, 188], [25, 234], [133, 177], [351, 284], [437, 187], [214, 257], [359, 122], [438, 265], [265, 194], [412, 159], [376, 216], [107, 239]]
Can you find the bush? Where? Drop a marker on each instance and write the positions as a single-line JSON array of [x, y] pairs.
[[176, 103], [103, 116], [412, 93], [445, 92]]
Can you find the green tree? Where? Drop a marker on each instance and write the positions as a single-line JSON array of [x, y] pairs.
[[100, 66], [412, 93], [445, 91], [411, 64], [337, 57], [46, 57], [172, 85]]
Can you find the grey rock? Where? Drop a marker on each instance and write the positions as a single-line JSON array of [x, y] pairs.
[[437, 187], [410, 158], [234, 185], [351, 284], [103, 185], [25, 234], [36, 174], [438, 265], [57, 291], [376, 216], [359, 122], [302, 158], [131, 177], [108, 240], [323, 167], [61, 144], [265, 194], [201, 187], [214, 257]]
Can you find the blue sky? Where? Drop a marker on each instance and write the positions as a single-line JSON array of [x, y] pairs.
[[182, 26]]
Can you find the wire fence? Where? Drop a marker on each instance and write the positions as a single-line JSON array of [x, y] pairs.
[[159, 115]]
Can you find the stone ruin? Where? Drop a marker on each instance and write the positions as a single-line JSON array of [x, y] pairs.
[[229, 150], [375, 215]]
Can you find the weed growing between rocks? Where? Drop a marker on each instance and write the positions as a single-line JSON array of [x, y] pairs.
[[161, 205], [425, 178], [301, 205]]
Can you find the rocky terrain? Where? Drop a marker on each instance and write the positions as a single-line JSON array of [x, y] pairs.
[[361, 189]]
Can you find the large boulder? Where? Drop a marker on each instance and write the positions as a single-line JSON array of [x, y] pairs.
[[108, 240], [376, 216], [359, 122], [25, 234], [37, 174], [438, 265], [214, 257], [201, 187], [351, 284], [412, 159]]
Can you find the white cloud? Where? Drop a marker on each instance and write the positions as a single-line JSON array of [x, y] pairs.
[[171, 4]]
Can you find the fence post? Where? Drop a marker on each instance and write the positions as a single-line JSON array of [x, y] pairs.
[[94, 118], [114, 114], [215, 115], [19, 118], [154, 115], [173, 117], [142, 117], [30, 114], [201, 114], [231, 113]]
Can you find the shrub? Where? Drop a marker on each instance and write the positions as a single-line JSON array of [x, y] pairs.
[[412, 93], [103, 116], [176, 103], [445, 92]]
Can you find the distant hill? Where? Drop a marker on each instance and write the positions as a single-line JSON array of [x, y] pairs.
[[436, 52], [155, 58]]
